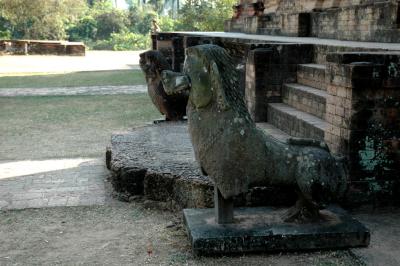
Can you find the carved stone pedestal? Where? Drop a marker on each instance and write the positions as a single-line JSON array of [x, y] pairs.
[[262, 230]]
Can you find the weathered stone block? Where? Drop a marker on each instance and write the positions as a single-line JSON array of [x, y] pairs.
[[305, 98], [128, 180], [159, 186], [158, 162], [262, 230]]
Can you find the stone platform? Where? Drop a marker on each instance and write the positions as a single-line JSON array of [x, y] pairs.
[[254, 38], [157, 161], [262, 230]]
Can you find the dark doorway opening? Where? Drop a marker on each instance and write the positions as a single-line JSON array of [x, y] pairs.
[[305, 25], [398, 15]]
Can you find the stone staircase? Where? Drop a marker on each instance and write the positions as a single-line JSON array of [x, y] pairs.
[[302, 110]]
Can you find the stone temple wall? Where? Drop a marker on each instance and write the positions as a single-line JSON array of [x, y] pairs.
[[272, 6], [363, 116], [376, 21], [310, 5]]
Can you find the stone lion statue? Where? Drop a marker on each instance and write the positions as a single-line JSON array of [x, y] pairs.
[[173, 107], [234, 152]]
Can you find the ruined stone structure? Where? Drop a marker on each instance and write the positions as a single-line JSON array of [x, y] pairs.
[[34, 47], [342, 86], [361, 20]]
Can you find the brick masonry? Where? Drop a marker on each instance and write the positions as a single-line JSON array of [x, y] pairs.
[[296, 123], [312, 75], [306, 99], [344, 20], [267, 69], [364, 119]]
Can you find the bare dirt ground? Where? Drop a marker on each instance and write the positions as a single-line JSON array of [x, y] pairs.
[[93, 61], [383, 222], [120, 234]]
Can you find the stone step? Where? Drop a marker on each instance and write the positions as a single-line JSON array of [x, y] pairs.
[[273, 131], [296, 123], [305, 98], [312, 75]]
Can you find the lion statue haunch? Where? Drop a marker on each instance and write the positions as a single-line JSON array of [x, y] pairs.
[[234, 152], [173, 107]]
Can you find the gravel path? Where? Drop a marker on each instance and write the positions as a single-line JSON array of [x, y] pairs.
[[71, 91]]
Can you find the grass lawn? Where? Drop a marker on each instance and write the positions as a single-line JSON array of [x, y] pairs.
[[74, 79], [65, 127]]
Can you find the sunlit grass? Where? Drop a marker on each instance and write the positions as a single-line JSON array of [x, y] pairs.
[[67, 127], [73, 79]]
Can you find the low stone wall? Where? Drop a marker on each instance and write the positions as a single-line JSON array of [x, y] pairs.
[[373, 22], [309, 5], [42, 47]]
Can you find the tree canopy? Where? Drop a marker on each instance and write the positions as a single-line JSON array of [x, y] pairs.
[[41, 19], [102, 26], [205, 15]]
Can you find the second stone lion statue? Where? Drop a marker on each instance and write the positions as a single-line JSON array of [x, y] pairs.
[[234, 152], [172, 106]]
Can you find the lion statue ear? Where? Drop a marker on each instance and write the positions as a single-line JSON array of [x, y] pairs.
[[218, 87]]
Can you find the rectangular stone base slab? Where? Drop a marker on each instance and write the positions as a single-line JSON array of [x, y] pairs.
[[262, 230]]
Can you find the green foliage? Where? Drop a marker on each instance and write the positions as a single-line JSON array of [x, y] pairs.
[[84, 30], [99, 22], [113, 21], [129, 41], [166, 23], [5, 32], [98, 7], [41, 19], [123, 41], [157, 5], [101, 26], [99, 45], [202, 15], [140, 19]]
